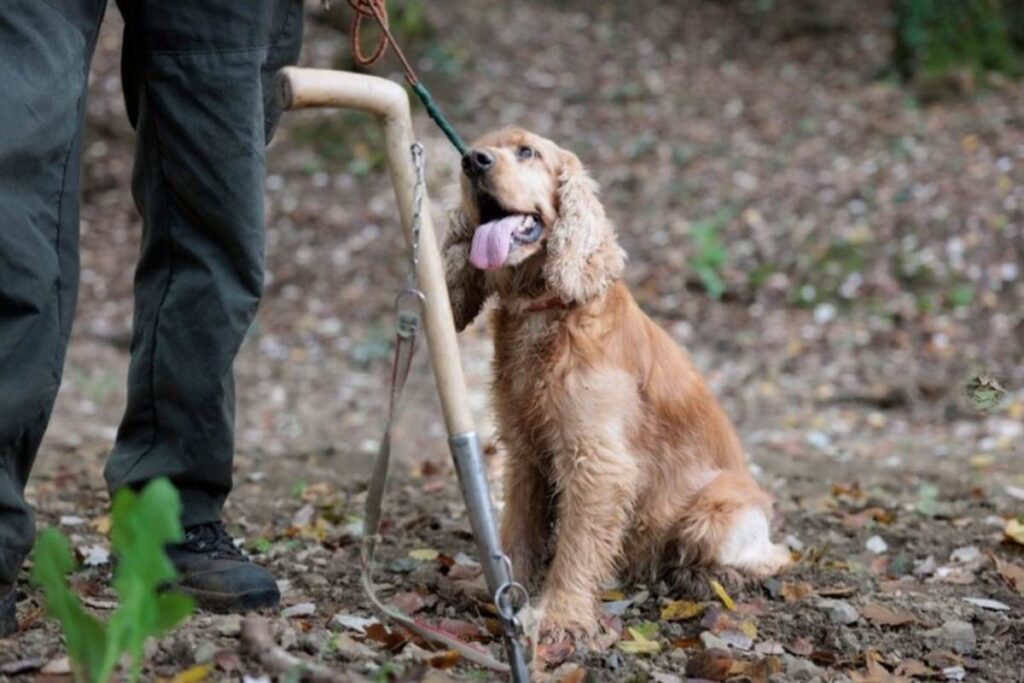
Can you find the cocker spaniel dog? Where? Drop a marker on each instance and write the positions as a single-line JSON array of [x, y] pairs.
[[620, 461]]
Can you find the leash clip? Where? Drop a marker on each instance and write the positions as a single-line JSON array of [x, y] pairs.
[[408, 305]]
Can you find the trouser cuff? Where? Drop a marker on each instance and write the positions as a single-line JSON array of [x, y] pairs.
[[198, 507]]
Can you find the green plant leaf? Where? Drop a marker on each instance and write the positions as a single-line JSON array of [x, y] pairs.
[[142, 525], [83, 633], [171, 609]]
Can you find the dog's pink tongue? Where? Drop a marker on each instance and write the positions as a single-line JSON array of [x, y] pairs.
[[491, 242]]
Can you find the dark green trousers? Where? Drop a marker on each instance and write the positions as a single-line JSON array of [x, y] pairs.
[[199, 88]]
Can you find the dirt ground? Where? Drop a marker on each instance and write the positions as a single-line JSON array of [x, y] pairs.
[[872, 251]]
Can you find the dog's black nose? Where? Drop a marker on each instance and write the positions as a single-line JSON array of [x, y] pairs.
[[476, 162]]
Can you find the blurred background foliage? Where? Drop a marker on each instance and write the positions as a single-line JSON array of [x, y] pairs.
[[936, 40], [830, 192]]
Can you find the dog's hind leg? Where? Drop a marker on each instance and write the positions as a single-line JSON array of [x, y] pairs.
[[727, 526]]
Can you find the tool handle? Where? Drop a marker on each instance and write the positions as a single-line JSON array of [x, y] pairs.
[[389, 102]]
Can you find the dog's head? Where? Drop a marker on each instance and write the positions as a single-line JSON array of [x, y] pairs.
[[533, 223]]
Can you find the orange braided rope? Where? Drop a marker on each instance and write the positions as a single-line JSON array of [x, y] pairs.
[[378, 10]]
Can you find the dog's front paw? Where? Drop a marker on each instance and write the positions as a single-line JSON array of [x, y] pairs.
[[574, 620]]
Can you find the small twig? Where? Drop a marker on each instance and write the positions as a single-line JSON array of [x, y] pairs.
[[258, 642]]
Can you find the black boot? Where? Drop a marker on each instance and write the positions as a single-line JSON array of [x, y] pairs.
[[8, 613], [217, 575]]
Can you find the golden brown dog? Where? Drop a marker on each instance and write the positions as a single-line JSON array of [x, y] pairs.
[[620, 460]]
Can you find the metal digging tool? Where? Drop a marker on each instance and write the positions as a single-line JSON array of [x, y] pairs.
[[389, 103]]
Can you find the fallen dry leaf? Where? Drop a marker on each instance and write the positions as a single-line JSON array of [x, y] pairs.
[[711, 665], [795, 591], [21, 666], [94, 555], [876, 673], [227, 661], [687, 643], [754, 608], [722, 595], [408, 603], [445, 660], [316, 490], [850, 491], [639, 644], [943, 659], [101, 525], [801, 647], [465, 630], [857, 520], [1012, 573], [1014, 530], [748, 628], [880, 615], [837, 591], [988, 603], [303, 609], [61, 666], [611, 627], [681, 610], [434, 484], [96, 603], [913, 668], [464, 572], [393, 640], [353, 622], [424, 554], [577, 675], [195, 674], [716, 620], [757, 671]]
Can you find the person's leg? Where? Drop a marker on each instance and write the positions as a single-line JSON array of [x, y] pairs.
[[44, 56], [195, 90]]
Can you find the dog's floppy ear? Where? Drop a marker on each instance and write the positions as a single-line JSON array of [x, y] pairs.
[[583, 257], [465, 283]]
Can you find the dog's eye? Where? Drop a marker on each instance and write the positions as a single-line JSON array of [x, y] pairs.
[[523, 153]]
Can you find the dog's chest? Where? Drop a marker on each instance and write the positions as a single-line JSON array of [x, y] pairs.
[[529, 360]]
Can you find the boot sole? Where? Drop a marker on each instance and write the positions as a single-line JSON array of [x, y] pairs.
[[227, 603]]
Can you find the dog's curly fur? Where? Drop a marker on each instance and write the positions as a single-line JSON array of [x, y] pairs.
[[620, 461]]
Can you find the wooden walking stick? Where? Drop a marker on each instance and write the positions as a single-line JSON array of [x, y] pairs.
[[389, 103]]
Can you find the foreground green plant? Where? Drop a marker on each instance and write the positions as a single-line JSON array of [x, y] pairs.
[[141, 525]]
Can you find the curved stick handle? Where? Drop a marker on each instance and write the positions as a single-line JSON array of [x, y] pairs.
[[388, 101]]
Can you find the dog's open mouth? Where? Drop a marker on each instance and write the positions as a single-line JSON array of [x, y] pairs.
[[497, 232]]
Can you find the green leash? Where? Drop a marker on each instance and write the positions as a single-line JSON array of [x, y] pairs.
[[438, 117], [376, 9]]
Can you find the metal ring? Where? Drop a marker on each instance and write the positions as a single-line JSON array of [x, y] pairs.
[[405, 293], [506, 606]]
